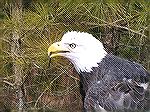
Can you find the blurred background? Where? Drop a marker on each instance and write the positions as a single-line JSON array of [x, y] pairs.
[[29, 27]]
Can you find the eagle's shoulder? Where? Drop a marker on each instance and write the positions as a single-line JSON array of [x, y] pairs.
[[122, 69], [119, 84]]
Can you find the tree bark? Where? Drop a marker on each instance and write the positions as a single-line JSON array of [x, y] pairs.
[[16, 53]]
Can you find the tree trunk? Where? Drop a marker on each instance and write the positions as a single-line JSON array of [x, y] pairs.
[[16, 53]]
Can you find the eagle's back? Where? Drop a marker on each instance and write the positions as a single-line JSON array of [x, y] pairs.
[[116, 85]]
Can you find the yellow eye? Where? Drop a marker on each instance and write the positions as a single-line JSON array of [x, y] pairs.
[[73, 45]]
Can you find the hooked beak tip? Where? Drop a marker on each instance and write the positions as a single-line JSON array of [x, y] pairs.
[[49, 54]]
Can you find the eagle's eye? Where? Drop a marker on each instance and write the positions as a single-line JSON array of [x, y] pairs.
[[72, 45]]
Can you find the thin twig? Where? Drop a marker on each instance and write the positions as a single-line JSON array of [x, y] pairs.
[[9, 83], [133, 31], [118, 26]]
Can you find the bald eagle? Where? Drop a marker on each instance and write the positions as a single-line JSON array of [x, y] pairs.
[[108, 83]]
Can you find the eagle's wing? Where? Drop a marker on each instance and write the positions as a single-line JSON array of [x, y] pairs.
[[122, 86]]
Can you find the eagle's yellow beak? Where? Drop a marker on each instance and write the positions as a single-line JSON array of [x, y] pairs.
[[56, 49]]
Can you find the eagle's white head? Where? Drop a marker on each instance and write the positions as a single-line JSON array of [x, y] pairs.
[[82, 49]]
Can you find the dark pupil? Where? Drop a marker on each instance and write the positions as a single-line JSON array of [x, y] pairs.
[[72, 45]]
